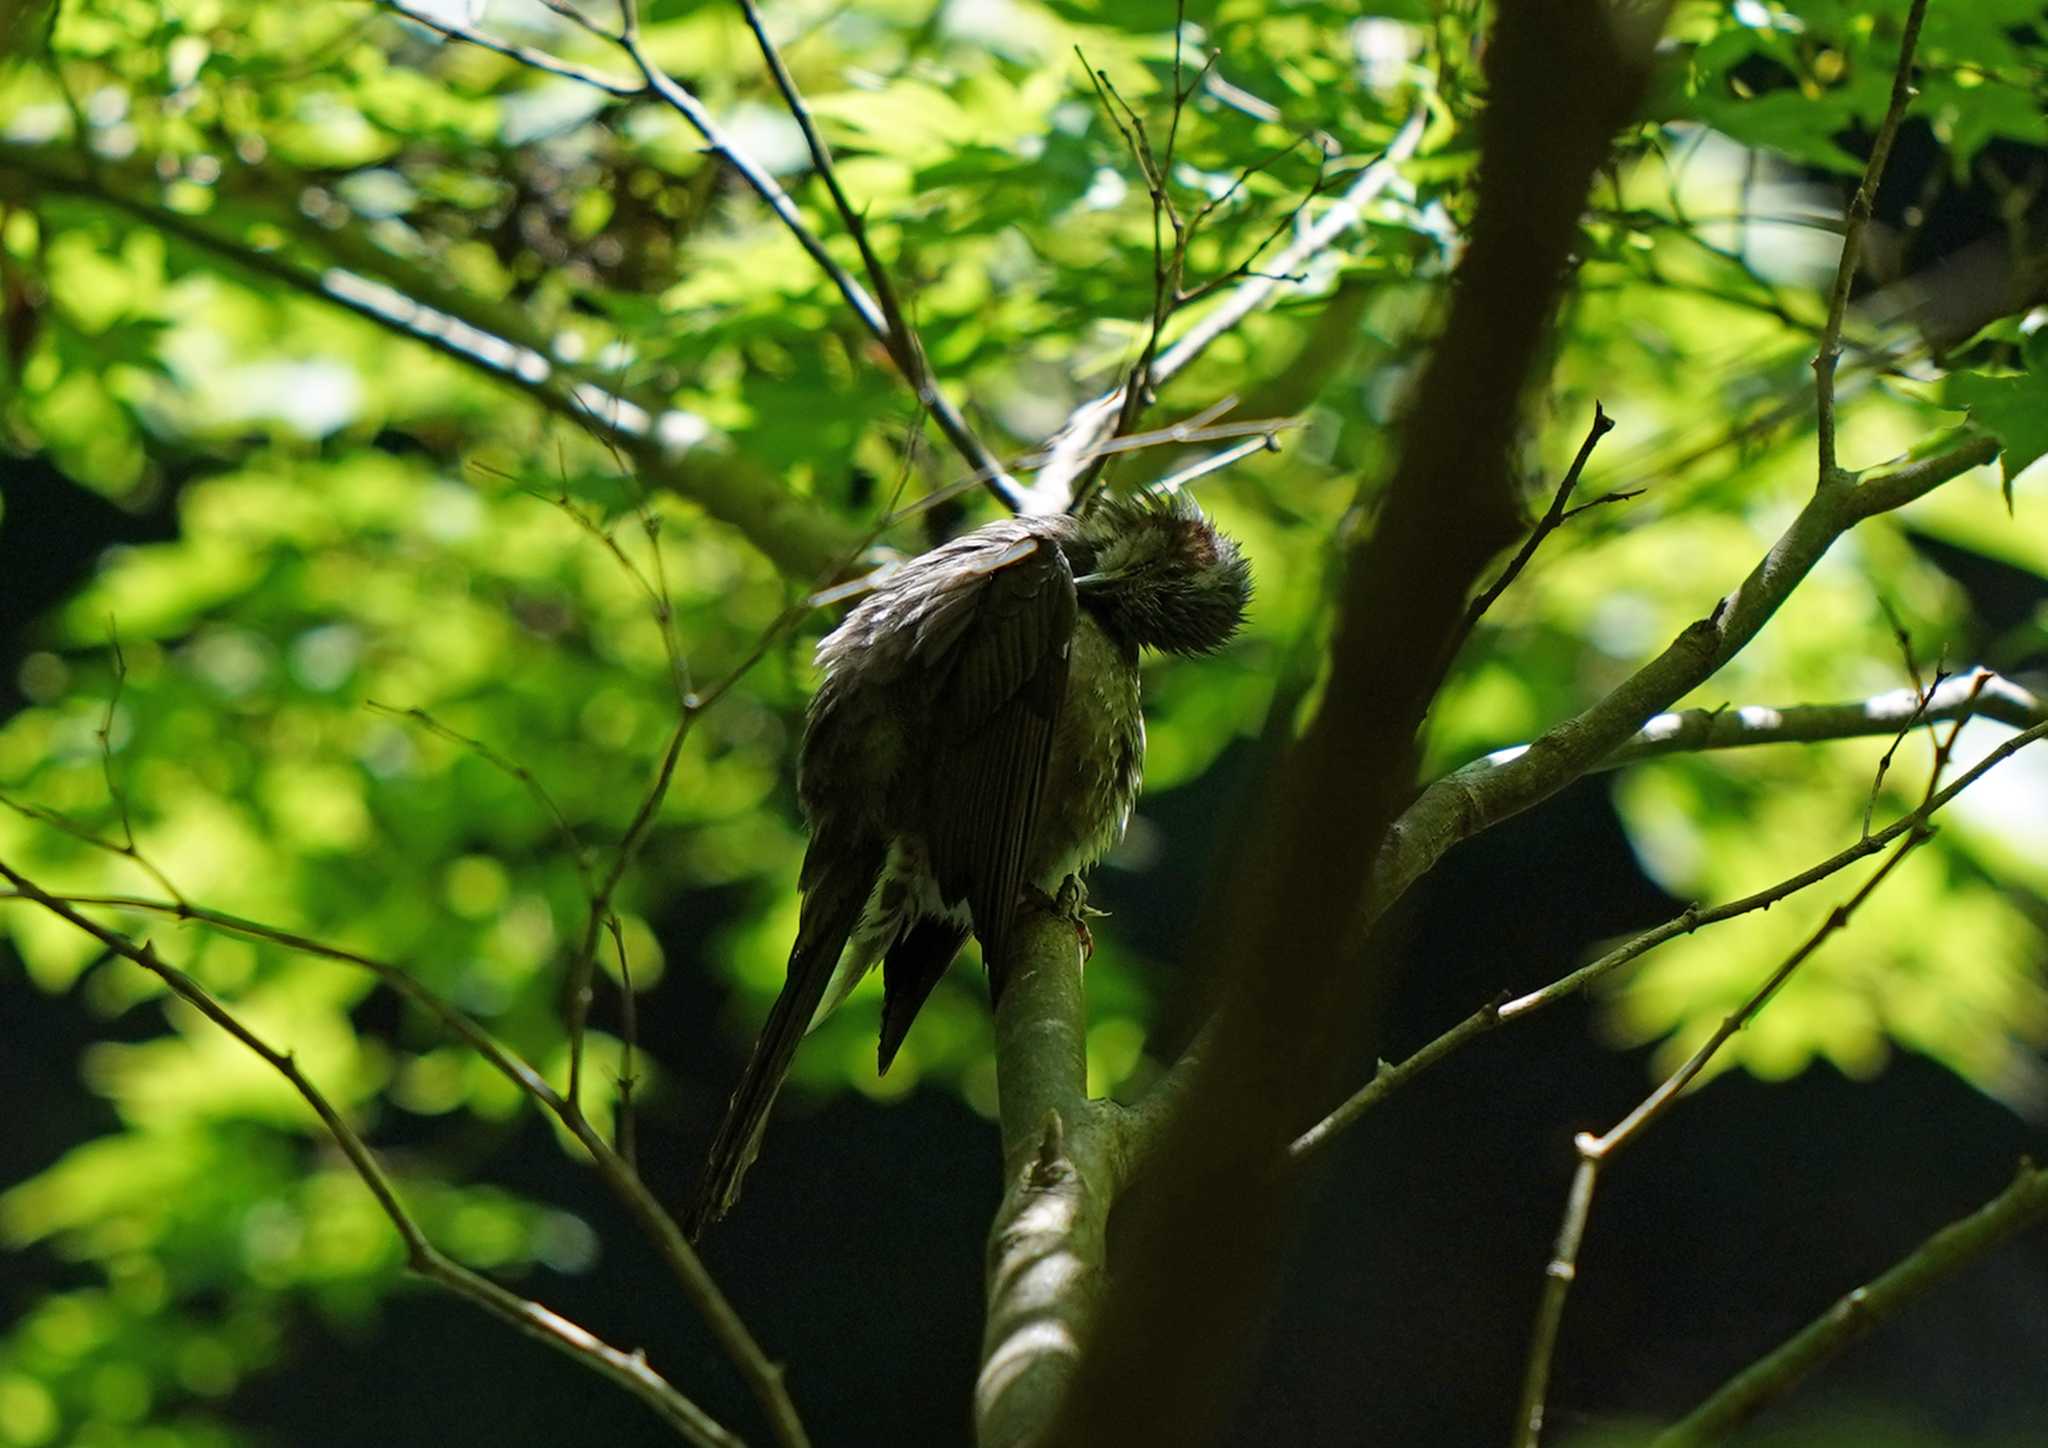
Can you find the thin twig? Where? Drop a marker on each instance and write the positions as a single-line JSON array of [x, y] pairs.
[[1071, 449], [519, 773], [1595, 1151], [125, 847], [1186, 477], [1884, 762], [899, 337], [1391, 1078], [629, 1033], [1860, 206], [629, 1370], [1553, 518], [1170, 294]]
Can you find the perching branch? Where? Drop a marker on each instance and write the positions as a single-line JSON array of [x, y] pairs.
[[628, 1370], [1047, 1246], [1857, 1314]]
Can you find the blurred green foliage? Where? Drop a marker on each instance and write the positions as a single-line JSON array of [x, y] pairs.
[[189, 189]]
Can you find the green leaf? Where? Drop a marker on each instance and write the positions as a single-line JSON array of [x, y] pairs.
[[2014, 408]]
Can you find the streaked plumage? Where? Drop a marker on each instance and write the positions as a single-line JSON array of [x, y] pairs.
[[977, 731]]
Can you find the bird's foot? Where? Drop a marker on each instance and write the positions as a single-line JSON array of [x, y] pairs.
[[1071, 905]]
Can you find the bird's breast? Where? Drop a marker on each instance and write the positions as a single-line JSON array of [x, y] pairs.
[[1098, 756]]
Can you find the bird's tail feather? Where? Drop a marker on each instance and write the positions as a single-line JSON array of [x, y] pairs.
[[831, 908]]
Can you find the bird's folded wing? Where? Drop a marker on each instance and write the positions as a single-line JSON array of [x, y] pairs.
[[999, 645]]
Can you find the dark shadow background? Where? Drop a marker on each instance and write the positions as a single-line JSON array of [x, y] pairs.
[[856, 1257]]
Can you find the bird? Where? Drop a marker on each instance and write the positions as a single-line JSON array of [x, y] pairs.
[[977, 734]]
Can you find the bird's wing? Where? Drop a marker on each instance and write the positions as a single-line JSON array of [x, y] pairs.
[[996, 645]]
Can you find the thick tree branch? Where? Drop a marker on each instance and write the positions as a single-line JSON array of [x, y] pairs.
[[1854, 1316], [629, 1370], [1177, 1323], [1698, 730], [1481, 795], [1978, 693]]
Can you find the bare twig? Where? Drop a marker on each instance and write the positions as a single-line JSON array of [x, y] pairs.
[[105, 735], [1069, 450], [1390, 1077], [519, 773], [1553, 518], [1858, 1313], [660, 603], [658, 84], [1595, 1151], [629, 1034], [1830, 352], [1216, 462], [1169, 262], [125, 847], [1884, 761], [628, 1370], [898, 336]]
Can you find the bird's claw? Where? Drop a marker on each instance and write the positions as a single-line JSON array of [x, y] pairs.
[[1071, 904]]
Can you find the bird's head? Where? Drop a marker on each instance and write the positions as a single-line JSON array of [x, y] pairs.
[[1162, 574]]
